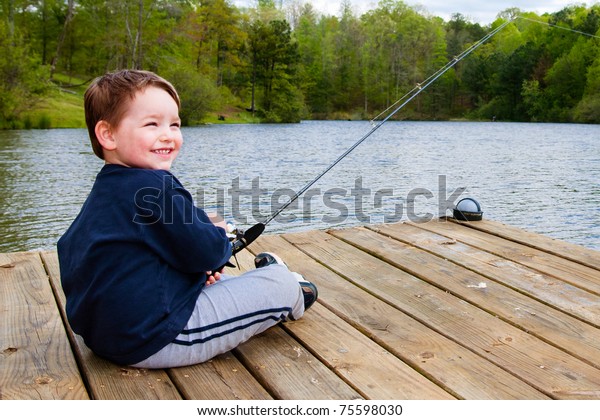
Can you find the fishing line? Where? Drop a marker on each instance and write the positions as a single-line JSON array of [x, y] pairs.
[[552, 25]]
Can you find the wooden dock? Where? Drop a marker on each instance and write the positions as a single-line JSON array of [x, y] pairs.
[[442, 310]]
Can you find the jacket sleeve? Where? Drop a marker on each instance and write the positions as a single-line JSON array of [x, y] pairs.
[[181, 233]]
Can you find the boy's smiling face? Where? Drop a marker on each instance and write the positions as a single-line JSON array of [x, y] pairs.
[[148, 136]]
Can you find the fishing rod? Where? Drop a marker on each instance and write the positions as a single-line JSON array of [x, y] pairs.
[[245, 238]]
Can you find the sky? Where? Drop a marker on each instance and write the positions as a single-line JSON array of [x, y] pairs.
[[479, 11]]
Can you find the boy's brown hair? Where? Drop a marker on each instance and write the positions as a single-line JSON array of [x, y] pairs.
[[108, 96]]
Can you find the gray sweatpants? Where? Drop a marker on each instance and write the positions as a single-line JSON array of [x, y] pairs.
[[230, 312]]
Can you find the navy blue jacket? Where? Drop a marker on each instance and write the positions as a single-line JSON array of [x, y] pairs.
[[134, 261]]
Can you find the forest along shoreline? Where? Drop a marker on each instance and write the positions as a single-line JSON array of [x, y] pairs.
[[290, 63]]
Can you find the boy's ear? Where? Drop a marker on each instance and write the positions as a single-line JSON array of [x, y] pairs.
[[104, 135]]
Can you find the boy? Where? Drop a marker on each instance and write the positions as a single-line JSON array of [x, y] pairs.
[[138, 263]]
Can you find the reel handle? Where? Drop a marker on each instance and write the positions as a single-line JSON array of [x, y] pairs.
[[241, 241]]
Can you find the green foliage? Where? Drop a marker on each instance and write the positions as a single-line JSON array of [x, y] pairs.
[[21, 78], [198, 94], [533, 99], [588, 110], [286, 64], [401, 49]]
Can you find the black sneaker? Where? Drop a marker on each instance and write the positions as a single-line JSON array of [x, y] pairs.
[[267, 258], [309, 290]]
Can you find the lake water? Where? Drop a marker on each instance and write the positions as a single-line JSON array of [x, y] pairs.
[[541, 177]]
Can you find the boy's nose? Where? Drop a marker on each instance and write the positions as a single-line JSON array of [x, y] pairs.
[[165, 137]]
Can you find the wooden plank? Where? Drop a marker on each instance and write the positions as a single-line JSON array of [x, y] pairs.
[[106, 380], [547, 289], [36, 361], [290, 372], [578, 275], [569, 334], [541, 365], [379, 376], [448, 364], [222, 378], [573, 252]]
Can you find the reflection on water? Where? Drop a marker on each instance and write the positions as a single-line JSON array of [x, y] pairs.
[[542, 177]]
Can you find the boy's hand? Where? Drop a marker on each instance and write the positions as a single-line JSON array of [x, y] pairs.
[[213, 276], [217, 220]]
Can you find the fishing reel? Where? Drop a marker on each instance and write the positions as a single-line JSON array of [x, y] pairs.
[[240, 239]]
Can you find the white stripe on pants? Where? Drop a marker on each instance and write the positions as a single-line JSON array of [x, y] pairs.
[[230, 312]]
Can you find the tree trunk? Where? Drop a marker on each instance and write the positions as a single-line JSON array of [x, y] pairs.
[[140, 56], [252, 108], [11, 18], [62, 36]]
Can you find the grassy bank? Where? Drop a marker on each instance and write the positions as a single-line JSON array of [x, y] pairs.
[[62, 107], [59, 110]]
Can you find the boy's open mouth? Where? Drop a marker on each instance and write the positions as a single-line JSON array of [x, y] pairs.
[[162, 151]]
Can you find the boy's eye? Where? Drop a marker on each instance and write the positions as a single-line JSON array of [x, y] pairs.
[[151, 124], [177, 124]]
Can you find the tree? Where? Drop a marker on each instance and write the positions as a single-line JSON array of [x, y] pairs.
[[533, 99], [339, 66], [274, 58], [566, 84], [402, 49], [214, 29], [513, 71], [309, 35], [588, 109], [460, 35], [346, 82]]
